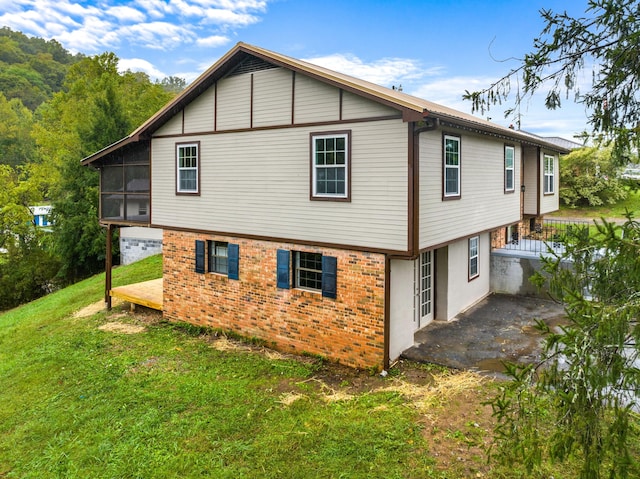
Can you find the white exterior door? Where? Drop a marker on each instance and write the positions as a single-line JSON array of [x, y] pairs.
[[423, 286]]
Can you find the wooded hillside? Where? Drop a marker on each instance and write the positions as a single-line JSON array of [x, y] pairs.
[[55, 109], [32, 69]]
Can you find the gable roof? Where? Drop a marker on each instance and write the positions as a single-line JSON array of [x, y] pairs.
[[412, 108]]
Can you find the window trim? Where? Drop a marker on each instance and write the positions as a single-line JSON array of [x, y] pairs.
[[313, 196], [212, 267], [451, 196], [511, 169], [475, 256], [178, 169], [552, 184]]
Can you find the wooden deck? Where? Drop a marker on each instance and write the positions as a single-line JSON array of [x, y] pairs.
[[148, 293]]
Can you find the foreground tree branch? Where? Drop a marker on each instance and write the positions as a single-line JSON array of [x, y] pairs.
[[603, 45]]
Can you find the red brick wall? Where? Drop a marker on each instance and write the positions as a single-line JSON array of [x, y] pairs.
[[349, 329]]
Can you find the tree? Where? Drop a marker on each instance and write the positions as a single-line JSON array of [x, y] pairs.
[[97, 107], [603, 45], [589, 177], [587, 384], [27, 264], [16, 121]]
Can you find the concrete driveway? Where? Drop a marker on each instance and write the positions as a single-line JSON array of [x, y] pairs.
[[497, 329]]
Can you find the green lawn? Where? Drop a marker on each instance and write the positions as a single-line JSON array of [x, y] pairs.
[[632, 203], [175, 401], [77, 401]]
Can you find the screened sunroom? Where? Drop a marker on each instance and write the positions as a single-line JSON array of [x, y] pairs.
[[125, 187]]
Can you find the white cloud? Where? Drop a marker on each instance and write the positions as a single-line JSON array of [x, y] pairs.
[[157, 35], [228, 17], [140, 65], [126, 14], [89, 29], [448, 91], [213, 41], [386, 71]]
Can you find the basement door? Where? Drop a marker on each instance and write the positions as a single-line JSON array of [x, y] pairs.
[[423, 286]]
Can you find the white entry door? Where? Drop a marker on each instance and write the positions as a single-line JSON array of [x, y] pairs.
[[424, 289]]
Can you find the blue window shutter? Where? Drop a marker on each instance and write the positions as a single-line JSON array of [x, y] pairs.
[[233, 253], [199, 256], [283, 268], [329, 275]]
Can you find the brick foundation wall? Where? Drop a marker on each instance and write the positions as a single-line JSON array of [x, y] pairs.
[[348, 329]]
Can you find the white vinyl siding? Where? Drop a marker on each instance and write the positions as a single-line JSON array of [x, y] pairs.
[[234, 103], [483, 204], [530, 179], [199, 115], [354, 107], [275, 202], [171, 127], [455, 293], [272, 97], [315, 101]]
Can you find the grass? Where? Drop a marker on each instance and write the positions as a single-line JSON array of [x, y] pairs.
[[632, 203], [79, 401]]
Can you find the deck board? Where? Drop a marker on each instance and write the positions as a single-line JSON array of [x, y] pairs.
[[147, 293]]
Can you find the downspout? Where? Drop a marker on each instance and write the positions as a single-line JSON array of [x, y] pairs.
[[387, 312]]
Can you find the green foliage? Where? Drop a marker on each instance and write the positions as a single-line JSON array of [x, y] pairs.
[[27, 270], [567, 49], [31, 69], [588, 379], [589, 177], [85, 104], [27, 265], [16, 144], [97, 107]]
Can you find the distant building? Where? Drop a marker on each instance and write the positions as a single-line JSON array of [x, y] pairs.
[[41, 215]]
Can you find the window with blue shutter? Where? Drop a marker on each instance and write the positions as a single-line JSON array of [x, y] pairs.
[[234, 261], [329, 276], [200, 256], [283, 269]]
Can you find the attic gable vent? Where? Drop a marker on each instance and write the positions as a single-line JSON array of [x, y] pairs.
[[251, 64]]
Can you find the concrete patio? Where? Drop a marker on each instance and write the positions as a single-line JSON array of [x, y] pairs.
[[499, 328]]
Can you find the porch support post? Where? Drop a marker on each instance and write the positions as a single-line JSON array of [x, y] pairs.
[[108, 265]]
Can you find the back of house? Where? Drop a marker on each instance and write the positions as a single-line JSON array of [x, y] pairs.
[[319, 212]]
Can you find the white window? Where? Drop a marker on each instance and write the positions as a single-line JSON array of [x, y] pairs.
[[187, 168], [308, 270], [509, 169], [330, 165], [219, 257], [451, 167], [549, 174], [474, 248]]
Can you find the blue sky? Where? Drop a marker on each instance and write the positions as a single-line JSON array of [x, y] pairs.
[[435, 49]]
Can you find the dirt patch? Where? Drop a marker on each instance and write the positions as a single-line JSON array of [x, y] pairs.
[[90, 310], [457, 424], [125, 328]]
